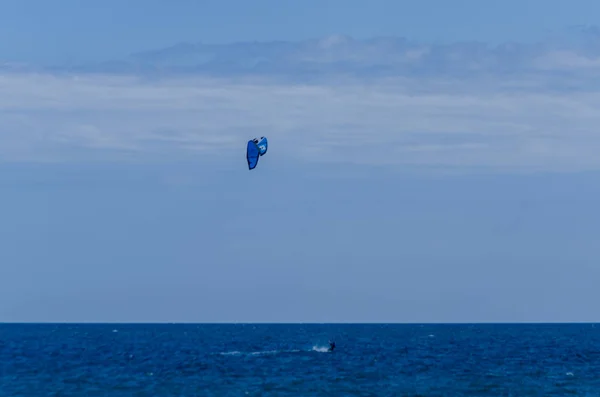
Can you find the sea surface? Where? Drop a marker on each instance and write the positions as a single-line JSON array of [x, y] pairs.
[[292, 360]]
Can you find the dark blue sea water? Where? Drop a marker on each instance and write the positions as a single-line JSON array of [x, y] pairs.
[[282, 360]]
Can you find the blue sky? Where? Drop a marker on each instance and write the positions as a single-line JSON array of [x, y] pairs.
[[65, 29], [459, 187]]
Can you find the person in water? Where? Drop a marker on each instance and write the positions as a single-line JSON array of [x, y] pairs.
[[331, 346]]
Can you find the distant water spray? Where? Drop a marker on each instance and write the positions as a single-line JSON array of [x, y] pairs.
[[320, 349]]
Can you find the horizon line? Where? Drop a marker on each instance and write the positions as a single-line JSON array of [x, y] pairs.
[[293, 323]]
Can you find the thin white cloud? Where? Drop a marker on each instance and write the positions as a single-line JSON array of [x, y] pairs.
[[483, 123], [567, 60]]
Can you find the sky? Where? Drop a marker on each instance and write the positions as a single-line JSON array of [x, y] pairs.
[[66, 29], [461, 194]]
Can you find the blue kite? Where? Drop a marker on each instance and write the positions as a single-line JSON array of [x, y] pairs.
[[255, 149]]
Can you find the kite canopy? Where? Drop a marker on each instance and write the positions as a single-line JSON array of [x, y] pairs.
[[252, 154], [255, 149], [263, 145]]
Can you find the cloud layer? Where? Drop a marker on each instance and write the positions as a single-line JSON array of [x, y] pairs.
[[566, 54], [47, 117], [542, 116]]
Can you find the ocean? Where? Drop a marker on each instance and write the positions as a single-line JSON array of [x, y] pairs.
[[292, 360]]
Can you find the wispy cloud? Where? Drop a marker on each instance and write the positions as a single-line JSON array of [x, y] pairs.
[[576, 50], [520, 121]]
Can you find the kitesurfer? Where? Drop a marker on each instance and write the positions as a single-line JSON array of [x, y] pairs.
[[331, 346]]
